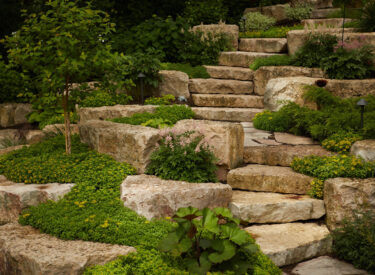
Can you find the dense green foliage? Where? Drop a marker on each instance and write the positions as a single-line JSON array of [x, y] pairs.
[[298, 12], [255, 21], [11, 84], [367, 19], [164, 100], [206, 12], [183, 156], [354, 241], [57, 119], [273, 60], [100, 98], [340, 142], [272, 32], [210, 240], [193, 72]]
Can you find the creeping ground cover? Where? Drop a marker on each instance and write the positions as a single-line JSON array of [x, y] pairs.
[[93, 211]]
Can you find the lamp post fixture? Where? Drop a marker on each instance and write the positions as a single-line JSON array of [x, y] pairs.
[[243, 20], [362, 103], [141, 77]]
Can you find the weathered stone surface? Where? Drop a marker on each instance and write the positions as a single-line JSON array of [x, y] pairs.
[[110, 112], [240, 59], [260, 207], [220, 86], [326, 23], [364, 149], [326, 265], [15, 197], [293, 139], [6, 135], [10, 149], [24, 250], [264, 74], [233, 101], [60, 128], [12, 114], [351, 88], [226, 139], [281, 155], [276, 11], [264, 45], [174, 83], [321, 4], [343, 195], [129, 143], [323, 13], [226, 114], [232, 31], [153, 197], [269, 179], [266, 141], [34, 136], [281, 91], [225, 72], [292, 243]]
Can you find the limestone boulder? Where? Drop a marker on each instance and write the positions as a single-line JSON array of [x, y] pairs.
[[225, 72], [364, 149], [60, 128], [220, 86], [110, 112], [266, 73], [126, 143], [287, 138], [231, 31], [264, 45], [24, 250], [229, 100], [326, 23], [226, 114], [240, 59], [15, 197], [153, 197], [280, 91], [173, 83], [34, 136], [12, 114], [226, 139], [343, 195], [346, 88], [276, 11]]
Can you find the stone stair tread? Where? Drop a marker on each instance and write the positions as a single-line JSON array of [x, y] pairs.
[[220, 86], [263, 207], [264, 45], [228, 72], [291, 243], [226, 114], [25, 250], [266, 178], [240, 58], [233, 101]]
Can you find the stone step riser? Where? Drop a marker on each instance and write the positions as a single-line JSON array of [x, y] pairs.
[[264, 45], [240, 59], [224, 72], [220, 86], [226, 114], [231, 101]]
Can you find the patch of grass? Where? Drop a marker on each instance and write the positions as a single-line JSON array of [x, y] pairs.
[[191, 71], [273, 32], [273, 60]]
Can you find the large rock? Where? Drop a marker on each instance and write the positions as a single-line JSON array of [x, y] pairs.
[[290, 139], [174, 83], [323, 13], [276, 11], [326, 265], [351, 88], [24, 250], [240, 59], [225, 138], [129, 143], [263, 45], [291, 243], [260, 207], [281, 155], [12, 114], [264, 74], [321, 4], [60, 128], [226, 114], [280, 91], [343, 195], [110, 112], [326, 23], [364, 149], [153, 197], [220, 86], [231, 31], [225, 72], [15, 197], [231, 101], [269, 179]]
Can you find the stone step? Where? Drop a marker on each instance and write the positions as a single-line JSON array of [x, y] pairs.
[[24, 250], [226, 114], [291, 243], [264, 45], [265, 178], [232, 101], [323, 13], [15, 197], [281, 155], [240, 59], [225, 72], [220, 86], [261, 207]]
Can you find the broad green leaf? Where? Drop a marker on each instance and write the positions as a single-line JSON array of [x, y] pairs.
[[226, 251]]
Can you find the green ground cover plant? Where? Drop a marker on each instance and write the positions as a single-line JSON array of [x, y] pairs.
[[57, 119], [164, 100], [192, 71], [206, 12], [100, 98], [274, 60], [341, 142], [255, 21], [272, 32], [299, 11]]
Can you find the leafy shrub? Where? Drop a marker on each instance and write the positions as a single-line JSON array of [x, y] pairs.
[[164, 100], [263, 3], [367, 19], [192, 72], [11, 84], [299, 12], [206, 12], [100, 98], [273, 60], [255, 21], [183, 156], [272, 32], [317, 189], [340, 142], [354, 241], [314, 49], [57, 119], [210, 240]]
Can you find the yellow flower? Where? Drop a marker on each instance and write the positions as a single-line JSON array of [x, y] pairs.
[[26, 215]]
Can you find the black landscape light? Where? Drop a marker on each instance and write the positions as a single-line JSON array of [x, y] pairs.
[[141, 77], [243, 20], [362, 103]]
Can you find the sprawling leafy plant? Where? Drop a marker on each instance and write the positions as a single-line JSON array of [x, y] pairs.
[[210, 240], [255, 21], [206, 12], [298, 12]]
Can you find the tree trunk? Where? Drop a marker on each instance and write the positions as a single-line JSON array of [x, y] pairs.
[[68, 143]]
